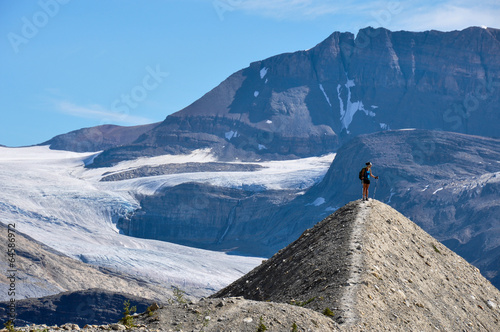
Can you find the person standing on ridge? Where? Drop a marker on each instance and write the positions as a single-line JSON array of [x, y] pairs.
[[365, 175]]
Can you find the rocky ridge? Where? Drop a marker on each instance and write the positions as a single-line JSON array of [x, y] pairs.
[[391, 276], [190, 167], [97, 138], [386, 274]]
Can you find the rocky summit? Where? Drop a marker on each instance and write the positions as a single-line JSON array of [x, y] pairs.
[[376, 270]]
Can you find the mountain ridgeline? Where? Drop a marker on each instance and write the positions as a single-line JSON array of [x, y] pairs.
[[311, 102]]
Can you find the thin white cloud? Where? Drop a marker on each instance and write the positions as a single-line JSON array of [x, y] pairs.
[[450, 16], [103, 115], [289, 9], [416, 15], [304, 9]]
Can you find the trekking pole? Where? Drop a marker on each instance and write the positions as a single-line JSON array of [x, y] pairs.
[[375, 191]]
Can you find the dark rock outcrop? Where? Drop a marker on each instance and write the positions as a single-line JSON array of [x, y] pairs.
[[190, 167], [92, 306]]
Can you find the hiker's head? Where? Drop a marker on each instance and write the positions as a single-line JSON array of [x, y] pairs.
[[368, 164]]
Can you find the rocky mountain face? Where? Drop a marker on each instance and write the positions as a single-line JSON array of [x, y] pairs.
[[97, 138], [311, 102]]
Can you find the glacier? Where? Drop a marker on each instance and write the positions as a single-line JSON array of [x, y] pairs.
[[52, 197]]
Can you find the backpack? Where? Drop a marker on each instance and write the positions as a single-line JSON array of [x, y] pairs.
[[362, 173]]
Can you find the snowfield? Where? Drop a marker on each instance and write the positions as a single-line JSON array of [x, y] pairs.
[[53, 198]]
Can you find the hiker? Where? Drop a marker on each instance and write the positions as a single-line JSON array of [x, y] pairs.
[[365, 176]]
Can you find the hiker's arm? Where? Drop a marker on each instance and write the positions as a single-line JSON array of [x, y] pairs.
[[376, 177]]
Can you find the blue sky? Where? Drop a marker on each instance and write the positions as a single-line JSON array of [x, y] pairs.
[[69, 64]]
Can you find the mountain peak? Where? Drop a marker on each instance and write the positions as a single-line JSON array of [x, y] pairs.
[[373, 267], [309, 103]]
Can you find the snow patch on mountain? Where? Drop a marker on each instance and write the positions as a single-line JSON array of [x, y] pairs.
[[351, 108], [437, 190], [231, 134], [263, 72], [318, 201], [324, 93]]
